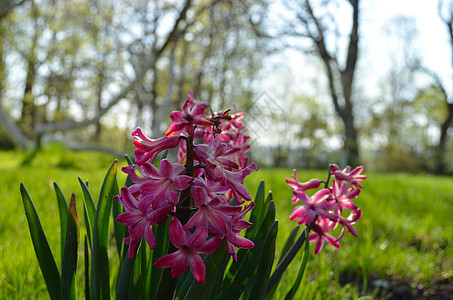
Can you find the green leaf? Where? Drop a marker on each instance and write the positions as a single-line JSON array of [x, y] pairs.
[[125, 275], [129, 160], [289, 242], [154, 273], [69, 264], [248, 265], [135, 288], [63, 209], [300, 274], [283, 264], [257, 214], [87, 270], [43, 253], [90, 210], [266, 261], [118, 227], [100, 262]]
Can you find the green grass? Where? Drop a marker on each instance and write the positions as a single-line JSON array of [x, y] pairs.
[[405, 233]]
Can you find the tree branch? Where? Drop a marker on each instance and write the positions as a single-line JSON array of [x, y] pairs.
[[148, 64]]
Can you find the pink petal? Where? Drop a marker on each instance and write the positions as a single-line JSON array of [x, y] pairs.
[[211, 245], [182, 182], [198, 268], [149, 237], [302, 197], [198, 238], [177, 234], [166, 169]]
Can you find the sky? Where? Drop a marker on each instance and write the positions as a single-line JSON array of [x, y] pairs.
[[432, 41]]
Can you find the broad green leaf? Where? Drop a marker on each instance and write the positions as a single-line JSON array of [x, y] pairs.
[[135, 284], [300, 274], [43, 253], [289, 242], [248, 265], [125, 275], [220, 274], [63, 209], [68, 269], [257, 214], [129, 160], [100, 262], [90, 208], [88, 227], [185, 281], [87, 270], [283, 264], [266, 261], [154, 273], [118, 227]]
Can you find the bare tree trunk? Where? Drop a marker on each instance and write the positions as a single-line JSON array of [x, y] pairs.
[[441, 146], [7, 6], [342, 99]]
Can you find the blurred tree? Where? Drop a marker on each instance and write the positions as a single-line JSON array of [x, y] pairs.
[[81, 62], [72, 57], [445, 11], [8, 5], [10, 130], [401, 147], [319, 24]]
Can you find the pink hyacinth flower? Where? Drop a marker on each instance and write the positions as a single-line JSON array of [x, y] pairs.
[[235, 180], [348, 222], [352, 177], [301, 186], [313, 206], [213, 209], [191, 114], [322, 226], [190, 246], [217, 156], [147, 149], [140, 216], [157, 185], [232, 235], [343, 196]]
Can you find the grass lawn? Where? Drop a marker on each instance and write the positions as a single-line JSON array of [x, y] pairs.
[[405, 233]]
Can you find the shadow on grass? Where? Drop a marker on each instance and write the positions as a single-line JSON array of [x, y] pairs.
[[396, 289]]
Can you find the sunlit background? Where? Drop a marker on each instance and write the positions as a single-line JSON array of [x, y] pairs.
[[86, 73]]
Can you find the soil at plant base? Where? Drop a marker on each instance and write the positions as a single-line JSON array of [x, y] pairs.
[[393, 289]]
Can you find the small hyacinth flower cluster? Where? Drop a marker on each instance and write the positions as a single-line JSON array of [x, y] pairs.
[[202, 193], [324, 209]]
